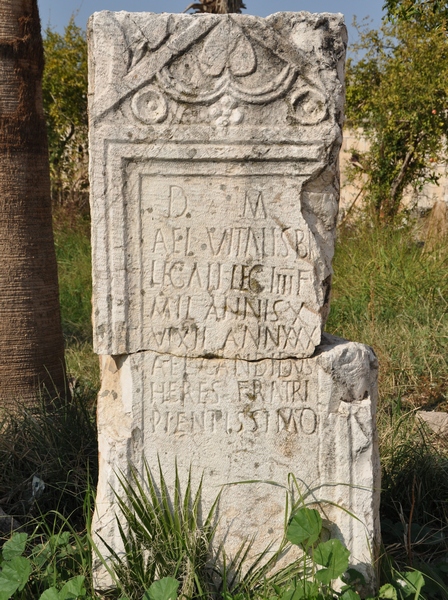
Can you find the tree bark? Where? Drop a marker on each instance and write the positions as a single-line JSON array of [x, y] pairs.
[[31, 342]]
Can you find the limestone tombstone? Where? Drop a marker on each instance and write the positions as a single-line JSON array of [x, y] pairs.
[[214, 193]]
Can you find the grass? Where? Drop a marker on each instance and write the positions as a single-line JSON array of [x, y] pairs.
[[166, 536], [56, 444], [392, 295], [73, 251], [415, 482], [414, 500], [176, 541]]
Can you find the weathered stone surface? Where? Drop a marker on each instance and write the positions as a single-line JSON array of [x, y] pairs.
[[238, 421], [214, 150]]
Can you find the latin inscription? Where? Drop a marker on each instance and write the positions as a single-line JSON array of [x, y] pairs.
[[223, 268], [229, 397], [231, 242], [291, 420], [209, 393]]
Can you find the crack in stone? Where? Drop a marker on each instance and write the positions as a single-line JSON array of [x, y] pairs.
[[209, 356]]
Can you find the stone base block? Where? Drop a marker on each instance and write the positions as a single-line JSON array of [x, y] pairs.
[[235, 421]]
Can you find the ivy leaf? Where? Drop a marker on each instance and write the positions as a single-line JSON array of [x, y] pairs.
[[15, 546], [215, 52], [164, 589], [305, 527], [334, 557], [14, 575]]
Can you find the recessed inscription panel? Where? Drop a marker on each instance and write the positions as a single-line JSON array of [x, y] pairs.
[[223, 265]]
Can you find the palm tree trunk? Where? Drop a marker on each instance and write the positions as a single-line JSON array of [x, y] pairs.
[[31, 343]]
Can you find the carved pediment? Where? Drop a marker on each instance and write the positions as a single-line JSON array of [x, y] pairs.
[[219, 63]]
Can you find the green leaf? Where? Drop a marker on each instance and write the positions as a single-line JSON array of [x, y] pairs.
[[287, 594], [7, 588], [164, 589], [388, 592], [410, 582], [50, 594], [73, 589], [304, 590], [15, 546], [304, 528], [61, 539], [307, 590], [14, 576], [41, 554], [334, 557], [350, 595]]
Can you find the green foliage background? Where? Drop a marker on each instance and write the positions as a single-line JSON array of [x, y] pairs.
[[64, 89], [397, 97], [407, 10]]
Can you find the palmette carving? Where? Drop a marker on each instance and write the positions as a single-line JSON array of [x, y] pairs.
[[226, 65]]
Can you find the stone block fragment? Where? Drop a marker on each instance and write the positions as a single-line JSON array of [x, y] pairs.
[[234, 421], [214, 181]]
